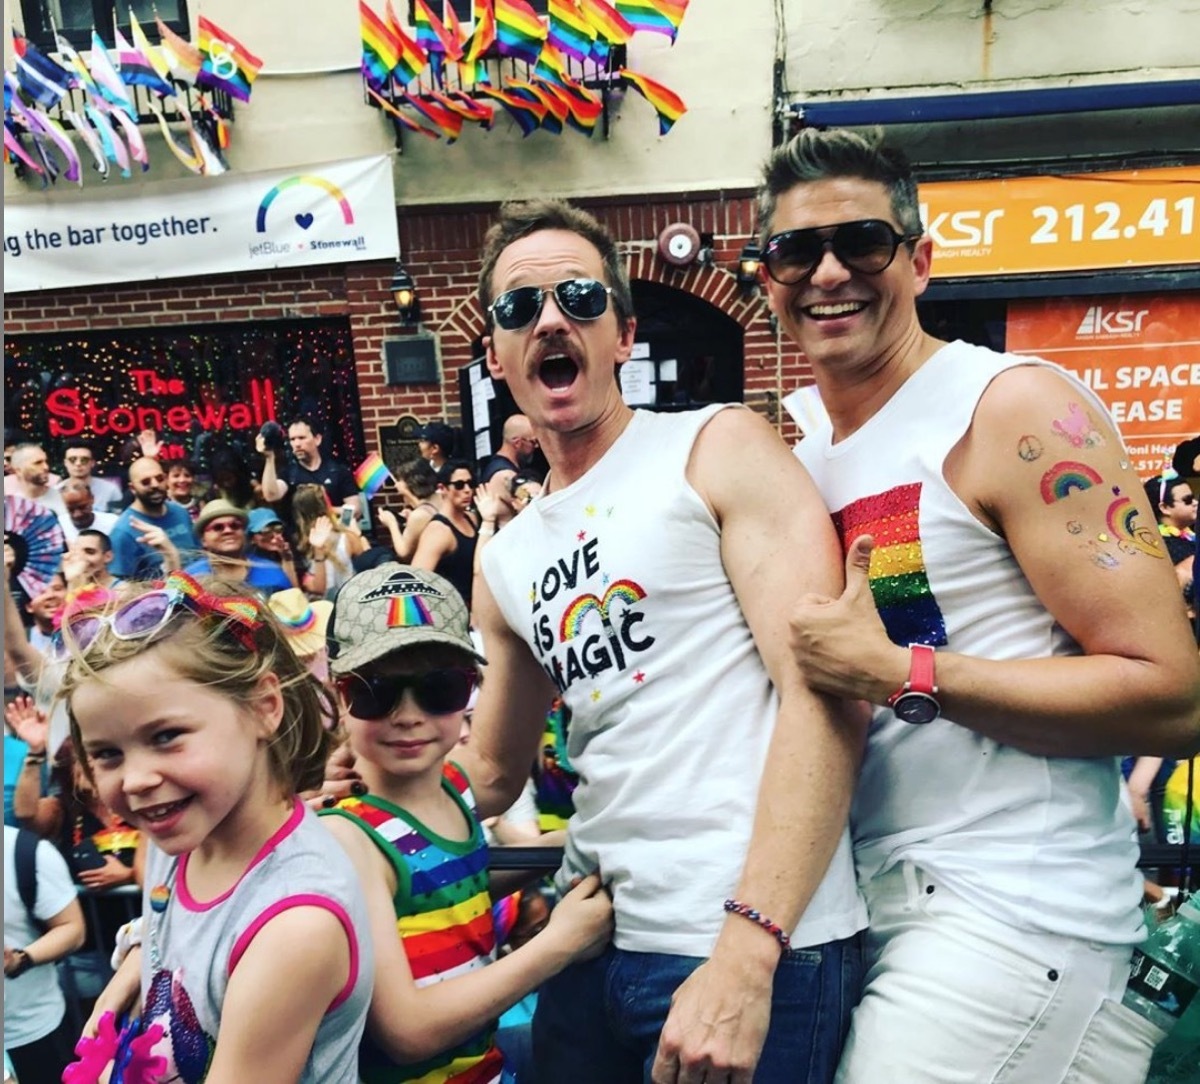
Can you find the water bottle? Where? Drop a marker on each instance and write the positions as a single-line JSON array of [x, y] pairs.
[[1165, 971]]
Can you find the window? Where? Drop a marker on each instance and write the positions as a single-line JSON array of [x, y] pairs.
[[74, 19], [463, 8]]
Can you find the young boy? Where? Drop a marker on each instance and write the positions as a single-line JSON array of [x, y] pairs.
[[404, 666]]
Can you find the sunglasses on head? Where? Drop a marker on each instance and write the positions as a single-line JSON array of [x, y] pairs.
[[580, 299], [376, 696], [148, 614], [867, 246], [461, 483]]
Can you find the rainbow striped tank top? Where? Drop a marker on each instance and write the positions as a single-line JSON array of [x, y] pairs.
[[444, 918]]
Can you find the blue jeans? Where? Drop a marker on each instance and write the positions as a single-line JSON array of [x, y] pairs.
[[598, 1022]]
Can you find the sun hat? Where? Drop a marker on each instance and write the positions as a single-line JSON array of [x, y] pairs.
[[260, 519], [216, 509], [304, 622], [394, 606]]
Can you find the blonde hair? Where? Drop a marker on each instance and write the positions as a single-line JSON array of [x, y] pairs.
[[309, 504], [210, 650]]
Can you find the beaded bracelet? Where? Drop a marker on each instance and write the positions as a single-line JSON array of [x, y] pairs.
[[736, 907]]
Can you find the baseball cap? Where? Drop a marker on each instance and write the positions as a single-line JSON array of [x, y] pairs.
[[260, 519], [216, 509], [438, 433], [392, 607]]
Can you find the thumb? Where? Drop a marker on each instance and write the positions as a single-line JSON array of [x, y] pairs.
[[858, 562]]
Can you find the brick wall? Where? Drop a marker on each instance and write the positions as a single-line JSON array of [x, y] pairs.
[[440, 248]]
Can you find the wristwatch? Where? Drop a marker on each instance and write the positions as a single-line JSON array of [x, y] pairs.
[[916, 700], [24, 963]]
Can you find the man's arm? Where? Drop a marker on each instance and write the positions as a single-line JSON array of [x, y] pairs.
[[26, 658], [1095, 561], [274, 488], [511, 714], [777, 543], [435, 542]]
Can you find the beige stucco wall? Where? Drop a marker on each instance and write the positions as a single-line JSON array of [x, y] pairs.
[[307, 105]]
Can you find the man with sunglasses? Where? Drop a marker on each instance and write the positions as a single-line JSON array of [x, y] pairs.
[[714, 783], [222, 529], [1175, 506], [1016, 623], [150, 536]]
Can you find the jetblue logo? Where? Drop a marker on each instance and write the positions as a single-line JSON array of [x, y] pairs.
[[1098, 321]]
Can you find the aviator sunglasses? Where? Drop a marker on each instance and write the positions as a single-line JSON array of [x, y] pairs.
[[867, 246], [437, 692], [580, 299]]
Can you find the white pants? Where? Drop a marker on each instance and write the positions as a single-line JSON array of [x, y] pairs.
[[955, 997]]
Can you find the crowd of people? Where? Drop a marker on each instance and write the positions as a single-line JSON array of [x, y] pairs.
[[836, 741]]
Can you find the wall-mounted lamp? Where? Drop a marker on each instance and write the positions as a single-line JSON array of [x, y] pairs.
[[404, 294], [749, 263]]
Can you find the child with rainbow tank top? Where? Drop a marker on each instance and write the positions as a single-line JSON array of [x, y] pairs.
[[404, 666]]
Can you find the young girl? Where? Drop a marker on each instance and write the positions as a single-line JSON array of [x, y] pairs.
[[325, 543], [198, 726], [404, 664]]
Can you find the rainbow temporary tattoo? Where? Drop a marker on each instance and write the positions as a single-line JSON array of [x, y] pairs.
[[1064, 478], [1121, 517], [1029, 448], [1078, 428]]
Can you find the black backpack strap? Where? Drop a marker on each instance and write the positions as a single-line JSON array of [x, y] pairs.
[[25, 860]]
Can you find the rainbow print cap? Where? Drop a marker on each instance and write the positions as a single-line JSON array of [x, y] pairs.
[[392, 607]]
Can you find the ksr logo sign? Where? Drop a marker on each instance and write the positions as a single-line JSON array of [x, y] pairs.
[[1098, 321], [961, 229]]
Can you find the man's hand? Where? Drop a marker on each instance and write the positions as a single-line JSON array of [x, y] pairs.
[[114, 872], [149, 443], [10, 558], [840, 644], [28, 722], [489, 505], [717, 1024]]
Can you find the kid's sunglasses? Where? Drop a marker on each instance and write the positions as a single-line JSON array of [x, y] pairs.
[[437, 692], [867, 246], [143, 617], [580, 299]]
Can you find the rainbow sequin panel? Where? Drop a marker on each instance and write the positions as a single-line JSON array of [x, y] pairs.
[[897, 575]]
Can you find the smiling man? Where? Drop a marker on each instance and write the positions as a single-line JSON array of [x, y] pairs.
[[714, 784], [1018, 625]]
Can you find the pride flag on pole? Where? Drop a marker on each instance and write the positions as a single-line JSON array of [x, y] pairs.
[[667, 104], [371, 474]]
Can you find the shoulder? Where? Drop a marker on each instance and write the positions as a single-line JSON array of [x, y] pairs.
[[199, 567], [55, 889]]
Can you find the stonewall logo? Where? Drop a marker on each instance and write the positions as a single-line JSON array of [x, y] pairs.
[[307, 214]]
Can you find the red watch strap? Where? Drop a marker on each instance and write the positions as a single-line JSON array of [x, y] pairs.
[[921, 673]]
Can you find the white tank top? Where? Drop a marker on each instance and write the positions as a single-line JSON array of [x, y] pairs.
[[616, 583], [1043, 843]]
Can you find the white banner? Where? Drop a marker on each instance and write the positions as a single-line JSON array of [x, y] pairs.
[[331, 213]]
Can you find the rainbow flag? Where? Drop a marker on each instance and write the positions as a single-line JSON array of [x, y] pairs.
[[466, 107], [432, 35], [527, 113], [136, 67], [401, 118], [569, 31], [556, 108], [673, 11], [519, 31], [228, 64], [381, 50], [413, 58], [472, 69], [447, 121], [667, 104], [371, 474], [645, 15], [611, 27], [182, 57], [583, 107]]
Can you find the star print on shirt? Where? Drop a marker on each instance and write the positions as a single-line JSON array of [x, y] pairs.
[[581, 536], [590, 510], [639, 677], [595, 694]]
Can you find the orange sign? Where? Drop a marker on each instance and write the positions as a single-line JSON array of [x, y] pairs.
[[1139, 352], [1080, 222]]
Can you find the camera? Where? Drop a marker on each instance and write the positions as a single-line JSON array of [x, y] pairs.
[[273, 437]]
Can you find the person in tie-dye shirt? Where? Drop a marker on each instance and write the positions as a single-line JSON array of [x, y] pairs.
[[404, 666]]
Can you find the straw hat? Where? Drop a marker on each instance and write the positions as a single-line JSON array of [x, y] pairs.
[[302, 620]]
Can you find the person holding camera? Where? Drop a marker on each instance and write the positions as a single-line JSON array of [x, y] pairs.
[[309, 467]]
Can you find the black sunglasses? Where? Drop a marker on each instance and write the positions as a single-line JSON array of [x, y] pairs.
[[580, 299], [461, 483], [868, 246], [376, 696]]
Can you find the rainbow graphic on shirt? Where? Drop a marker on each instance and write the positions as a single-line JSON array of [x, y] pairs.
[[408, 611], [1064, 478], [444, 918], [897, 575], [575, 614]]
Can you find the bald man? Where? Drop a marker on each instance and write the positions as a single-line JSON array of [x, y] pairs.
[[153, 534], [515, 452], [31, 478]]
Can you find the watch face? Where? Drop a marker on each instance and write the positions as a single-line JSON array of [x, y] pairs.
[[916, 708]]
